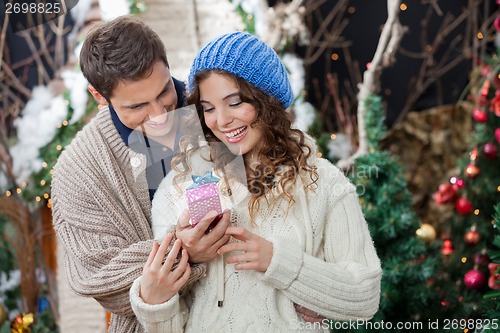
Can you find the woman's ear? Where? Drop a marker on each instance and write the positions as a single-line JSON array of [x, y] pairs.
[[97, 95]]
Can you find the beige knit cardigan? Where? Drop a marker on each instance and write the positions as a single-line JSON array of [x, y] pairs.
[[102, 213]]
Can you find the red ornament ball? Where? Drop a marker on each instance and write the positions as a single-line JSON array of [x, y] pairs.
[[472, 238], [490, 150], [479, 116], [474, 279], [481, 259], [463, 206], [497, 22], [497, 135]]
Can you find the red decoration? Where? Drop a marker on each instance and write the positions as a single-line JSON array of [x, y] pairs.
[[479, 116], [497, 23], [463, 206], [472, 237], [447, 247], [446, 193], [481, 259], [497, 135], [458, 182], [494, 280], [471, 171], [474, 279], [490, 150], [495, 104], [485, 88]]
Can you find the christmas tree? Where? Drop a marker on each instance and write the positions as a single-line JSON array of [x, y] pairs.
[[474, 192], [408, 262]]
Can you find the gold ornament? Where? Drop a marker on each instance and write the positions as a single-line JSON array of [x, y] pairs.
[[3, 315], [426, 232], [22, 323]]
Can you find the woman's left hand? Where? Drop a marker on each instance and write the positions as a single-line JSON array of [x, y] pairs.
[[256, 251]]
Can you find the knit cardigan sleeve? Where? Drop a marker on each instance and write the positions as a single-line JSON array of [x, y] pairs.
[[105, 233], [170, 316], [346, 284]]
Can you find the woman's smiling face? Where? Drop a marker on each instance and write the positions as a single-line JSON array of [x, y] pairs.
[[229, 118]]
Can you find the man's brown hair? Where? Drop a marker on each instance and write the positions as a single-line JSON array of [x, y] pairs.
[[122, 49]]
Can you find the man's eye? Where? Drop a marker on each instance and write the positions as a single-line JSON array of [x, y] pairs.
[[136, 107]]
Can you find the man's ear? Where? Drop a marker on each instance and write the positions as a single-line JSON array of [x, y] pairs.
[[97, 95]]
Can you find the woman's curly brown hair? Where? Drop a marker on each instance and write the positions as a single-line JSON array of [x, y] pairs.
[[282, 152]]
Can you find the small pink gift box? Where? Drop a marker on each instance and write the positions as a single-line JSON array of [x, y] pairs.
[[203, 196]]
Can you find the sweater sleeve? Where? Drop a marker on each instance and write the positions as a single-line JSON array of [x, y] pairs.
[[106, 244], [343, 286], [170, 316]]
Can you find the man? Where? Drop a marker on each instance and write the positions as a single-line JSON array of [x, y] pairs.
[[102, 188], [105, 179]]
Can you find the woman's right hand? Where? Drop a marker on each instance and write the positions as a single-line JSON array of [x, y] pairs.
[[159, 282]]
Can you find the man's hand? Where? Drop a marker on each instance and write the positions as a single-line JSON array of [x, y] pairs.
[[159, 282], [309, 315], [201, 245]]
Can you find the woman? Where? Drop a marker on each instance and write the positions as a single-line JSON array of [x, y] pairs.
[[298, 233]]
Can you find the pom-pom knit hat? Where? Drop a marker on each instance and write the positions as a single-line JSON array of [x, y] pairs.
[[246, 56]]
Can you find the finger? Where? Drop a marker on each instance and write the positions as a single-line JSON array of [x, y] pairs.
[[234, 246], [246, 266], [174, 251], [312, 319], [239, 233], [244, 257], [152, 254], [183, 279], [206, 221], [219, 230], [181, 267], [183, 220], [158, 260]]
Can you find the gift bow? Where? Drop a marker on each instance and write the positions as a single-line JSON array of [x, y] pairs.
[[202, 180]]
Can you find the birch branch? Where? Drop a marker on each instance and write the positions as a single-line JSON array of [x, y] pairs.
[[391, 36]]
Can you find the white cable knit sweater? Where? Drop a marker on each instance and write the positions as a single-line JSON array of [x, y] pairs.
[[337, 275]]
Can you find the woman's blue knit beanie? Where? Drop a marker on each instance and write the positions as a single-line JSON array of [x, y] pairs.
[[248, 57]]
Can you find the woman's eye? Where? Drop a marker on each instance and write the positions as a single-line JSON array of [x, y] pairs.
[[236, 103], [207, 109]]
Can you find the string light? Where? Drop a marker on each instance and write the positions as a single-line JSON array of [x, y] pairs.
[[351, 10], [59, 147], [319, 154], [59, 125], [140, 5], [476, 212], [335, 56], [403, 7], [24, 184], [42, 182], [52, 171], [65, 123], [8, 193], [464, 260], [498, 188], [46, 195], [38, 199], [333, 136], [44, 165], [480, 35], [19, 190]]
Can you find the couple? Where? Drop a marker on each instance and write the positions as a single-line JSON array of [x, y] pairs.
[[292, 249]]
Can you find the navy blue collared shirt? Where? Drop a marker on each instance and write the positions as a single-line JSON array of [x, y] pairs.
[[158, 156]]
